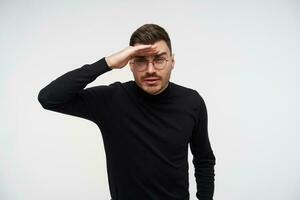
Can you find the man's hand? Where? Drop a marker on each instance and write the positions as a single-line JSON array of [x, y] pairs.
[[121, 58]]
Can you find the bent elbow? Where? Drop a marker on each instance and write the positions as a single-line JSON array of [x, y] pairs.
[[43, 99]]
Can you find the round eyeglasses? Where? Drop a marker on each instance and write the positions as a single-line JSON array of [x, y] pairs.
[[141, 64]]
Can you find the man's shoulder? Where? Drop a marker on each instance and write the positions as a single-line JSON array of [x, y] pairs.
[[187, 92], [184, 89], [113, 85], [104, 89]]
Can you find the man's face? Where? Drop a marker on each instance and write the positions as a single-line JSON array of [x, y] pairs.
[[161, 76]]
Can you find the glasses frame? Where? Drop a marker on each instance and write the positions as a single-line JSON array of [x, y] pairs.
[[138, 69]]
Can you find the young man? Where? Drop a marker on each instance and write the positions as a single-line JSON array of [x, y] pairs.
[[146, 124]]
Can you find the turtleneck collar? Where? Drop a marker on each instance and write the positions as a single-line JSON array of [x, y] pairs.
[[160, 96]]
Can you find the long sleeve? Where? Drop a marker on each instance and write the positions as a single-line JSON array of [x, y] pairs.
[[203, 156], [67, 95]]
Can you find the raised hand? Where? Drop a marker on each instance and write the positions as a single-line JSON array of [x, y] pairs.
[[121, 58]]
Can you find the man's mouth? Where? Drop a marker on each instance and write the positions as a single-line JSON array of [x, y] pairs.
[[151, 80]]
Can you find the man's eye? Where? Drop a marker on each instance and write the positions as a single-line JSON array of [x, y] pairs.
[[140, 60], [159, 59]]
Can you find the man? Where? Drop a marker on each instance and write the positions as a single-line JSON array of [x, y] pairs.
[[146, 124]]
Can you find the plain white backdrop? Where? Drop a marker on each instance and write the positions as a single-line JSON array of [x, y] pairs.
[[241, 56]]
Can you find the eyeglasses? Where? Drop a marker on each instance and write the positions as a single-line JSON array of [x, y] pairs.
[[141, 64]]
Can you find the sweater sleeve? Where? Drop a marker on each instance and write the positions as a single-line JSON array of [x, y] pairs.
[[67, 95], [203, 156]]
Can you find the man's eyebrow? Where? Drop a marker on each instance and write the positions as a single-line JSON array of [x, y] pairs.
[[163, 53]]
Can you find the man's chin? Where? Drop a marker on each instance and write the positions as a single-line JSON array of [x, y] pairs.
[[153, 89]]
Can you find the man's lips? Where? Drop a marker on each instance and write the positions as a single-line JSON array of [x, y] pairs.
[[151, 80]]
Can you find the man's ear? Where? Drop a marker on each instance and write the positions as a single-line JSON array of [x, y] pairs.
[[173, 60]]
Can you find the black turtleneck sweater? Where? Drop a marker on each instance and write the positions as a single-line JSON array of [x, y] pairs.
[[145, 136]]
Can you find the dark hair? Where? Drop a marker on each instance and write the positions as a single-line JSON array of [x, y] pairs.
[[149, 34]]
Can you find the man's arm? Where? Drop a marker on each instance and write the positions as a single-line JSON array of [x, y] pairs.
[[67, 95], [203, 156]]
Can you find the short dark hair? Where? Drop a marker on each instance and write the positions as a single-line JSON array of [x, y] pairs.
[[149, 34]]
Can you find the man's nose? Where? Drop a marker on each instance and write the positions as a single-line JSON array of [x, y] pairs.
[[150, 67]]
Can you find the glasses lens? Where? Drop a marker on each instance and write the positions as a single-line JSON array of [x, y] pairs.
[[160, 63], [141, 64]]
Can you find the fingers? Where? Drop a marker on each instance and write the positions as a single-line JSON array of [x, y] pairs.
[[142, 47], [141, 50], [146, 52]]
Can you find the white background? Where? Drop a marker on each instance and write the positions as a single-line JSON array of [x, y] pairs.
[[241, 56]]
